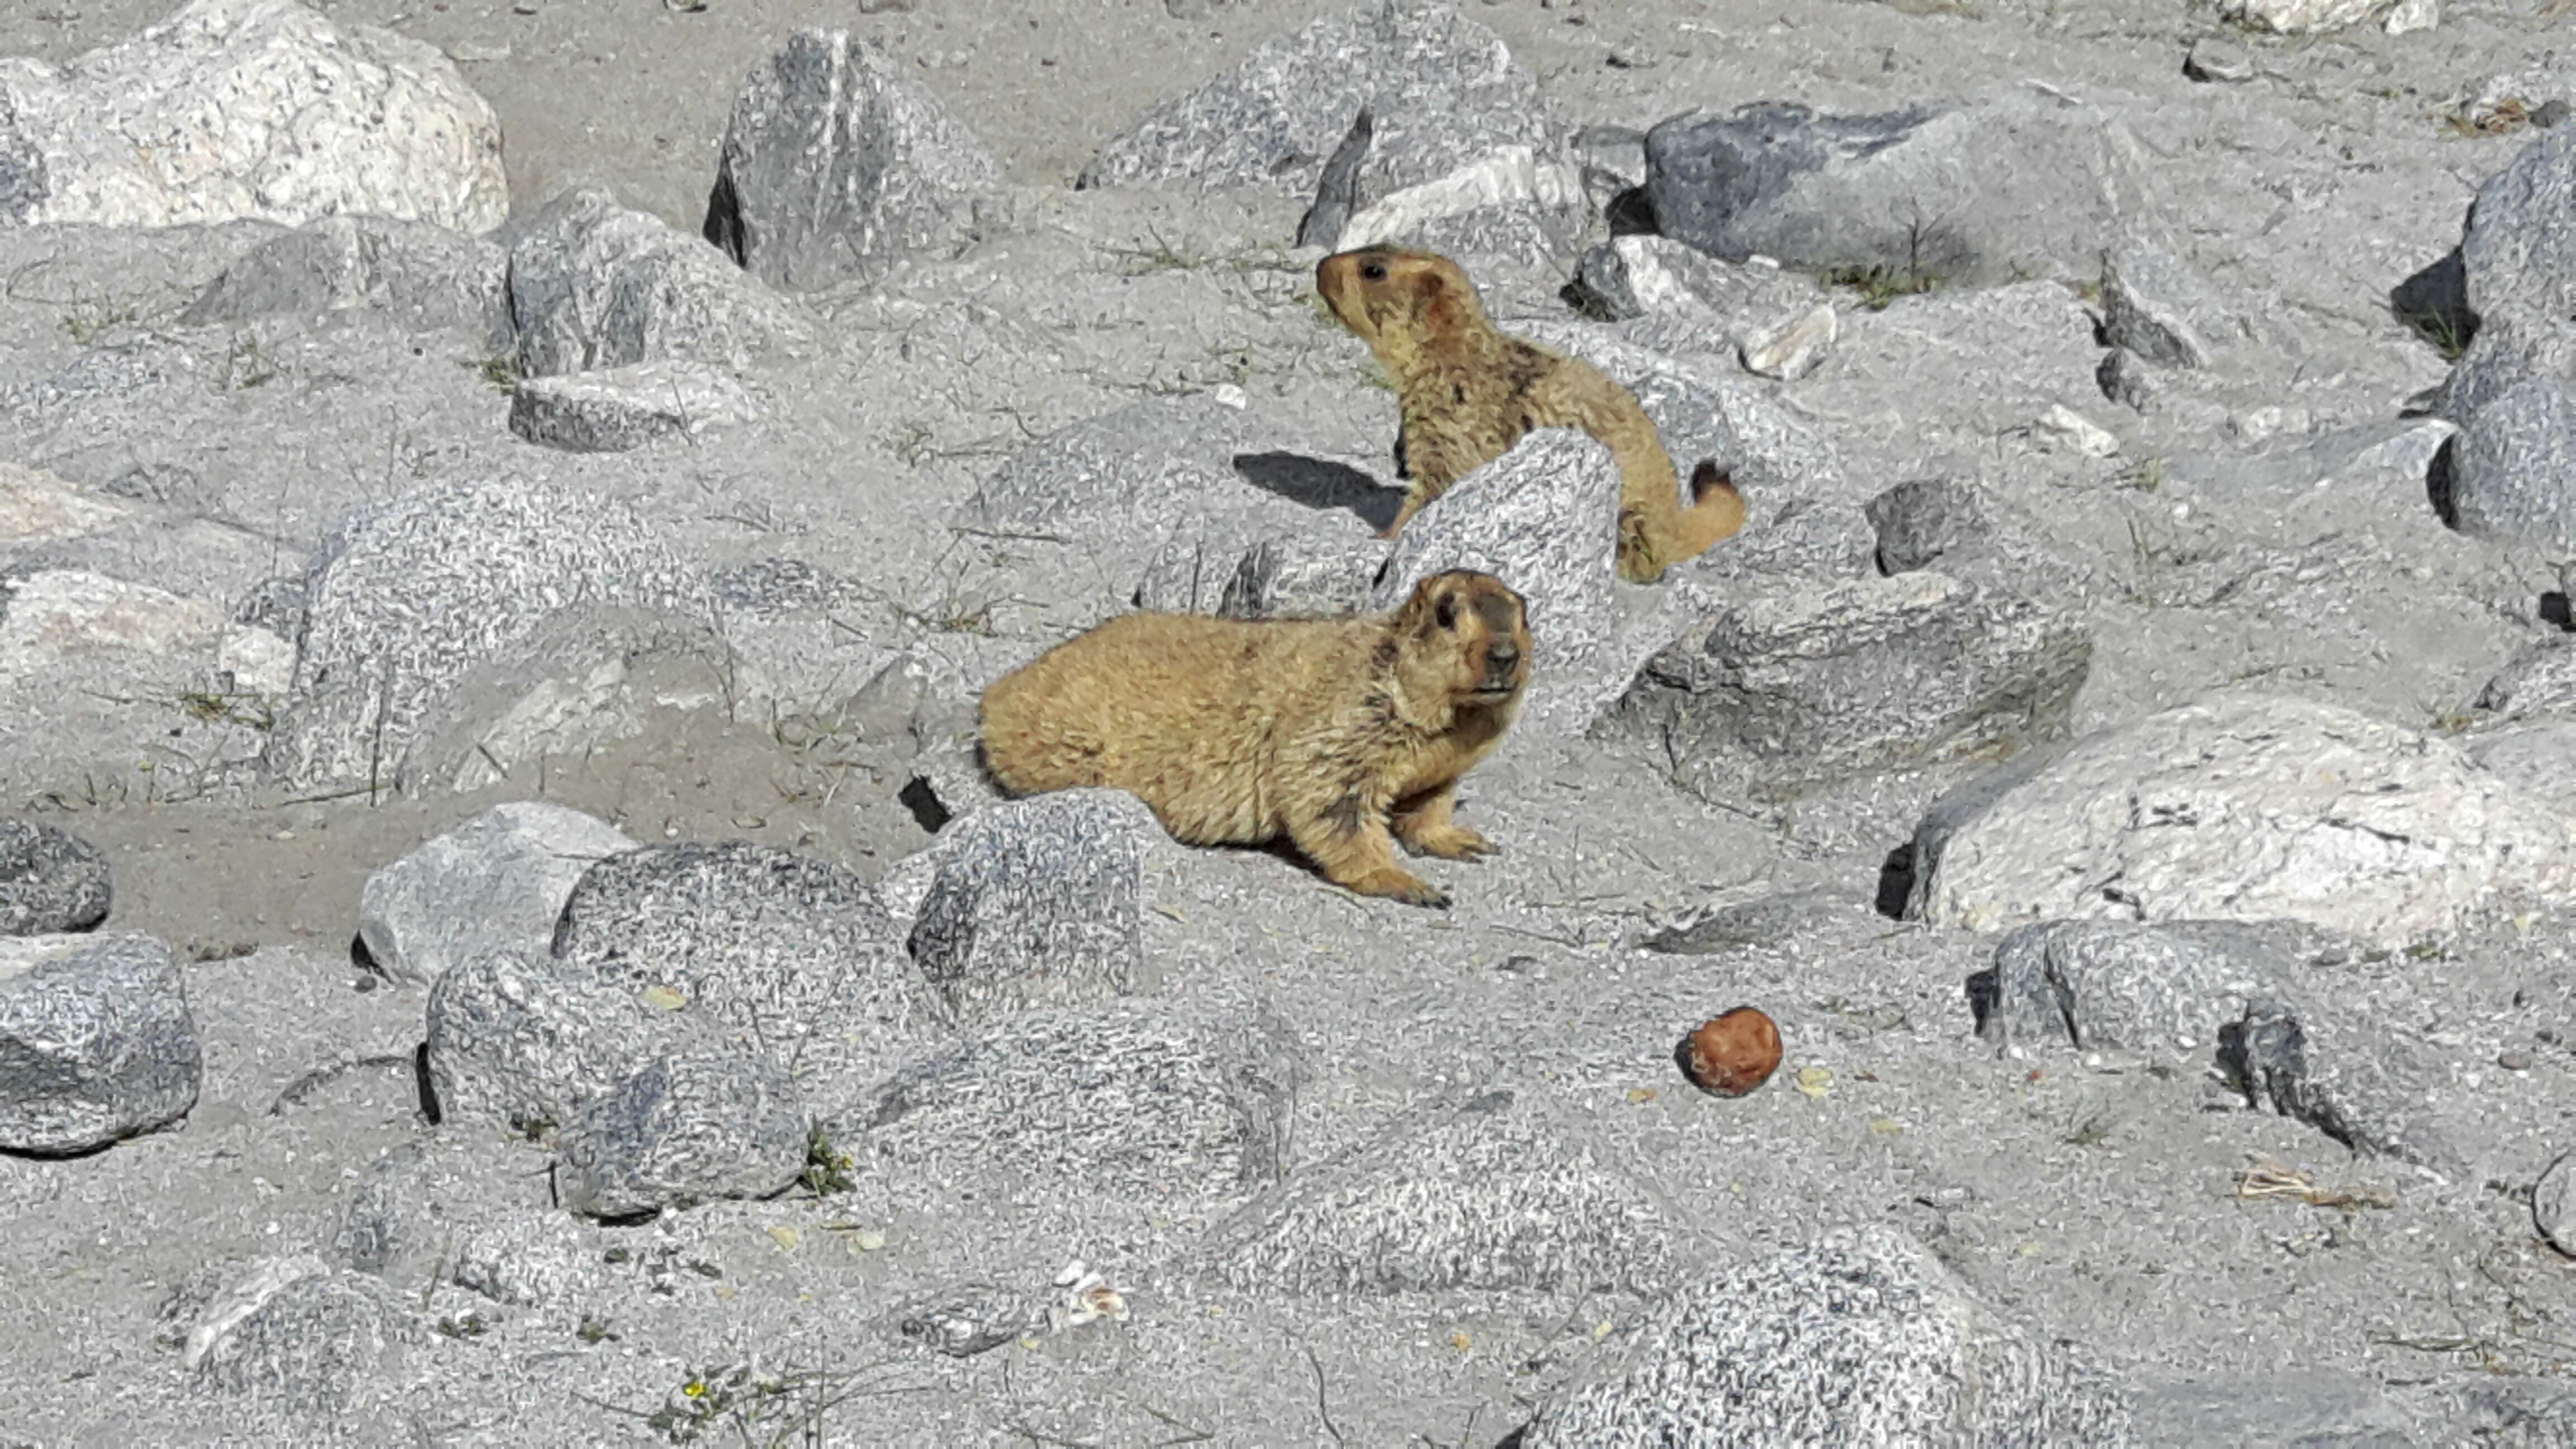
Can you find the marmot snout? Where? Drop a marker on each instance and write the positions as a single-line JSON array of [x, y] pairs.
[[1469, 393], [1345, 735]]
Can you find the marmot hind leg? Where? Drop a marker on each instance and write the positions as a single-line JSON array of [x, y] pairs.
[[1423, 823]]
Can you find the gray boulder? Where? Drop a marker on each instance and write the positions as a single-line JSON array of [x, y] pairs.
[[1786, 689], [794, 954], [684, 1130], [1034, 902], [2512, 470], [2537, 760], [248, 108], [2342, 1064], [298, 1335], [1861, 1338], [1129, 1102], [496, 883], [520, 1042], [96, 1041], [1441, 90], [585, 677], [1960, 193], [833, 165], [594, 285], [2242, 808], [2123, 985], [617, 409], [1544, 518], [413, 593], [1970, 532], [419, 276], [1500, 1191], [1516, 207], [50, 880]]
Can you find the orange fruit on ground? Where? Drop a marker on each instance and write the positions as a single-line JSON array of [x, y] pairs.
[[1731, 1053]]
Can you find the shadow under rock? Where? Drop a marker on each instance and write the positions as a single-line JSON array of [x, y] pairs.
[[2434, 303], [1318, 484]]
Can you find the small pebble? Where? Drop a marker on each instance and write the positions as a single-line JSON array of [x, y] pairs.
[[2514, 1061], [1731, 1053]]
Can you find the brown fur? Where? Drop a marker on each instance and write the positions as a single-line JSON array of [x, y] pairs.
[[1345, 735], [1469, 392]]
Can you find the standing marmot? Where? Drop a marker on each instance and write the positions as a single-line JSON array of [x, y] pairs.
[[1469, 393], [1329, 731]]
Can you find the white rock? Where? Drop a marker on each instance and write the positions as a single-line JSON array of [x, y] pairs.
[[2413, 15], [249, 109], [61, 612], [260, 662], [2256, 424], [1507, 178], [40, 508], [2296, 17], [2078, 432], [1796, 349], [2241, 809]]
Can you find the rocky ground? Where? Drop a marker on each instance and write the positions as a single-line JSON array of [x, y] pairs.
[[507, 510]]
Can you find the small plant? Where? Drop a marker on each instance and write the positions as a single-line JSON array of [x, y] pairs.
[[498, 371], [466, 1325], [2496, 118], [1880, 285], [909, 443], [212, 706], [2440, 328], [593, 1331], [827, 1169], [89, 321], [247, 364]]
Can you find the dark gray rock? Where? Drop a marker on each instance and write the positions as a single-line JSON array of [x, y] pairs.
[[1957, 527], [1500, 1191], [834, 165], [684, 1130], [2518, 249], [96, 1041], [2356, 1074], [1543, 518], [496, 883], [2127, 985], [1129, 1103], [2160, 307], [2553, 1204], [1442, 91], [1034, 902], [2513, 465], [1861, 1338], [1640, 276], [299, 1335], [1300, 576], [521, 1042], [2512, 470], [413, 593], [618, 409], [416, 275], [1961, 194], [794, 954], [50, 880], [594, 285], [2539, 680], [1795, 687]]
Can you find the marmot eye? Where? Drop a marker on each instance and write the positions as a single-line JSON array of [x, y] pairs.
[[1374, 271], [1446, 612]]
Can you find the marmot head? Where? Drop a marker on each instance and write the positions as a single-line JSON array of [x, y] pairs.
[[1387, 296], [1463, 638]]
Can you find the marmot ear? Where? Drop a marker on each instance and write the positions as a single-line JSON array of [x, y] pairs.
[[1437, 303]]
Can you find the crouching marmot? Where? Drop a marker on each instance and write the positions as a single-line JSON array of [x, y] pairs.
[[1469, 393], [1328, 731]]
